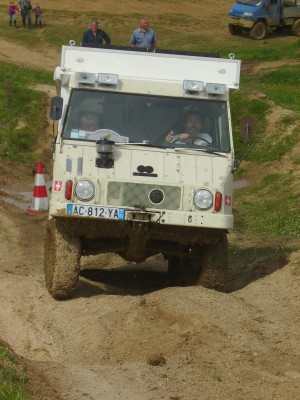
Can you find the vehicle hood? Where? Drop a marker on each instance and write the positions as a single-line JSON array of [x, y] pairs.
[[245, 11]]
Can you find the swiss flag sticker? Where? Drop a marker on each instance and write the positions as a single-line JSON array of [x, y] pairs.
[[57, 186], [228, 201]]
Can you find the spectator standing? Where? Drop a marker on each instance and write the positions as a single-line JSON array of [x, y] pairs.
[[94, 37], [143, 37], [25, 8], [38, 14], [12, 9]]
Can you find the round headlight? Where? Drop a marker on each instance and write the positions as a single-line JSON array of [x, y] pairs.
[[84, 190], [203, 199]]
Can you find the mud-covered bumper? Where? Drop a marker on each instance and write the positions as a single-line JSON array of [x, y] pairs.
[[136, 241], [243, 23]]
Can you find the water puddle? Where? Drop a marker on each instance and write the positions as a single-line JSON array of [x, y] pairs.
[[20, 200], [240, 184]]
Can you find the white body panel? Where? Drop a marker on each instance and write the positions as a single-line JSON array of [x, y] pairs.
[[177, 172]]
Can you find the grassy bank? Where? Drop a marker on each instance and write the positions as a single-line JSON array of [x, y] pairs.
[[174, 31], [270, 205], [12, 382], [22, 111]]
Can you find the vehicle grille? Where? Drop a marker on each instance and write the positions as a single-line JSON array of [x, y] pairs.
[[132, 194]]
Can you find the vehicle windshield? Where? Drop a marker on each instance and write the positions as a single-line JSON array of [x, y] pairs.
[[151, 120], [254, 3]]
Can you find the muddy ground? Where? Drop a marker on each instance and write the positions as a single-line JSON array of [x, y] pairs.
[[126, 335]]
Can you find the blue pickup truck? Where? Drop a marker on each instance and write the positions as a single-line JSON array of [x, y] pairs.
[[259, 17]]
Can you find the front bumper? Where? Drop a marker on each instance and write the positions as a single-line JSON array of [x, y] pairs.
[[243, 23], [211, 220]]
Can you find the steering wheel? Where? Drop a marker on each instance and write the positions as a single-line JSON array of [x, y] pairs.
[[200, 139]]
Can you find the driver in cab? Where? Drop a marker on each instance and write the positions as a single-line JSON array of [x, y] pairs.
[[193, 132]]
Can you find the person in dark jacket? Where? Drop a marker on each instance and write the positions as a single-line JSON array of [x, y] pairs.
[[94, 37], [25, 8]]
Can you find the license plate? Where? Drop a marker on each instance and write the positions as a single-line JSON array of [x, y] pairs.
[[96, 211]]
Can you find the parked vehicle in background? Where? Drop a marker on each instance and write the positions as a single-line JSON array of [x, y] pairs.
[[259, 17]]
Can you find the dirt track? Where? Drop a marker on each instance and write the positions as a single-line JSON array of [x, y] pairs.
[[128, 336], [106, 342]]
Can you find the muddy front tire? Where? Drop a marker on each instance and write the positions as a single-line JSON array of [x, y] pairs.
[[214, 265], [296, 28], [259, 31], [61, 261]]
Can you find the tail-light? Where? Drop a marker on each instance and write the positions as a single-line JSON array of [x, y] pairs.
[[218, 201], [68, 189]]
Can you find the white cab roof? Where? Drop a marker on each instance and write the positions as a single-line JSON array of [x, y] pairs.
[[152, 66]]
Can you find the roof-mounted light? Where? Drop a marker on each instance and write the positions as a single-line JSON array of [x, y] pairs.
[[215, 88], [193, 86], [108, 80], [85, 78]]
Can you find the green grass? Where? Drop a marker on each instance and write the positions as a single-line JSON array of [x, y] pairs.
[[274, 216], [257, 95], [271, 208], [217, 377], [251, 251], [275, 47], [12, 382], [22, 111], [174, 31]]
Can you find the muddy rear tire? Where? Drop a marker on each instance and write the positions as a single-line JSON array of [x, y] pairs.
[[61, 261], [182, 272], [214, 265], [209, 270], [259, 31]]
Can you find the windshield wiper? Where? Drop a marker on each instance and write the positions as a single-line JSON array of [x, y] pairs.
[[168, 146], [202, 150], [143, 144]]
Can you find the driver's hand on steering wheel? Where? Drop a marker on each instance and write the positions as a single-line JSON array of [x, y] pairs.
[[169, 136], [183, 137]]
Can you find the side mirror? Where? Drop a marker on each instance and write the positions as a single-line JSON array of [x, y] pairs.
[[246, 131], [246, 127], [56, 108]]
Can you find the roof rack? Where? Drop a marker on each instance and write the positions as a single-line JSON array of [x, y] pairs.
[[162, 51]]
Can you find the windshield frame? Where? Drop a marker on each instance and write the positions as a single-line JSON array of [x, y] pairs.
[[151, 113]]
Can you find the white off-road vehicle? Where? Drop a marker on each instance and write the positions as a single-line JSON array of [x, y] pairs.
[[119, 185]]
